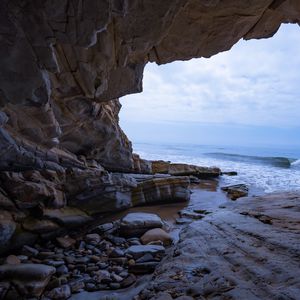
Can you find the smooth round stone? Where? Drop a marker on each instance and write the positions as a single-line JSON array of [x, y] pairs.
[[12, 260], [156, 234]]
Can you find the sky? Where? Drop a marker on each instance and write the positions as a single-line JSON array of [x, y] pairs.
[[247, 96]]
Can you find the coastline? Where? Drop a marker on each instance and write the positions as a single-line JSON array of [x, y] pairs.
[[204, 225]]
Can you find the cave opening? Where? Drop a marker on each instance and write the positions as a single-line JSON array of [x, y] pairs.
[[235, 109]]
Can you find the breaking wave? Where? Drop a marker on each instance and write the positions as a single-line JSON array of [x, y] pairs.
[[281, 162]]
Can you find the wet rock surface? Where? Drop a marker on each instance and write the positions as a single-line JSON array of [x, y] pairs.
[[44, 204], [136, 224], [234, 253], [226, 250], [236, 191]]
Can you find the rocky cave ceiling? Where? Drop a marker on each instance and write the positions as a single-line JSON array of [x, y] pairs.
[[64, 63]]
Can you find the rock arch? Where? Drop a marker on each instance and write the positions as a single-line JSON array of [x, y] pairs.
[[65, 63]]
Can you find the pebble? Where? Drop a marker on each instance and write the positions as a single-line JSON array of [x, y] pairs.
[[12, 260], [22, 258], [116, 252], [103, 228], [65, 242], [93, 237], [82, 260], [102, 265], [94, 262], [29, 251], [54, 263]]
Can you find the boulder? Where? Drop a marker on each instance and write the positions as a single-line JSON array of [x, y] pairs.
[[136, 224], [97, 191], [197, 171], [236, 191], [176, 169], [161, 190], [156, 234], [29, 279]]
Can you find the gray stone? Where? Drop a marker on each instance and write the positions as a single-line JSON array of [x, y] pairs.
[[136, 224], [141, 250], [29, 251], [116, 252], [70, 217]]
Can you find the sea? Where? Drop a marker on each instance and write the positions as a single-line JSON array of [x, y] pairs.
[[266, 169]]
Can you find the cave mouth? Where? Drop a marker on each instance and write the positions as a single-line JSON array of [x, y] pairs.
[[233, 109]]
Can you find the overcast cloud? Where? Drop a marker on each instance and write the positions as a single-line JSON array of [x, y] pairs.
[[256, 83]]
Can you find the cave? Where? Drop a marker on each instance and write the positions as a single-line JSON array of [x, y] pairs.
[[66, 163]]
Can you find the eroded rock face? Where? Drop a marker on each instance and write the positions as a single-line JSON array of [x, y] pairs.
[[64, 64], [61, 59]]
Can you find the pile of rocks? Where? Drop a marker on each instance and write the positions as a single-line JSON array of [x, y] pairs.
[[108, 257]]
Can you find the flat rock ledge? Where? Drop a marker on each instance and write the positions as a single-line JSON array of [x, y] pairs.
[[248, 249], [42, 204]]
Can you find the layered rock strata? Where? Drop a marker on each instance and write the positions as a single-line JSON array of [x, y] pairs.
[[64, 64], [45, 203], [248, 249]]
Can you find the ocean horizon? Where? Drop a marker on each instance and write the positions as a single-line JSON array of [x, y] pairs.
[[268, 168]]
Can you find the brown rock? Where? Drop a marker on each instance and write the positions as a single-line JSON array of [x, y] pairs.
[[161, 190], [156, 234], [65, 242], [164, 167], [12, 260], [236, 191]]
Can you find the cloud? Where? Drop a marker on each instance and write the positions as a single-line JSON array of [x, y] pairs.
[[255, 83]]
